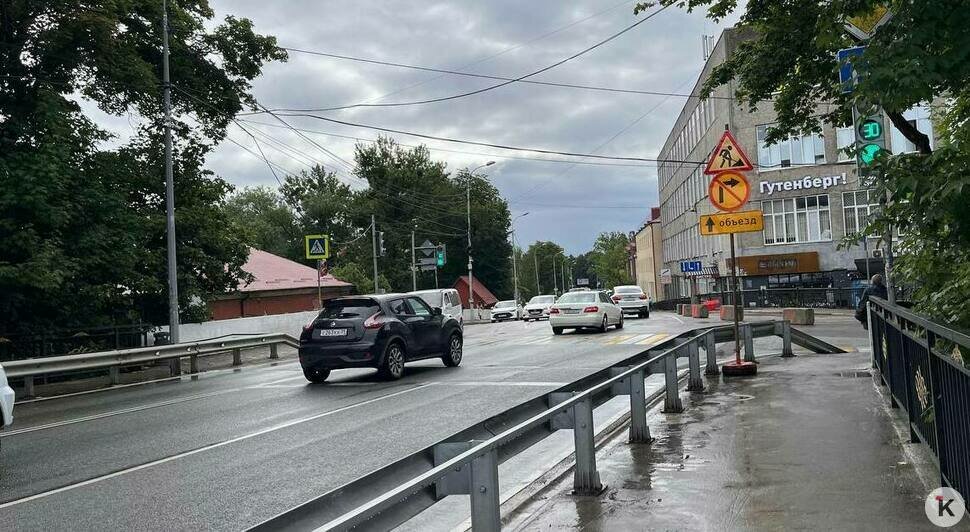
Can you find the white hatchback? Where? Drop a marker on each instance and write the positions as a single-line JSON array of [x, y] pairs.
[[581, 310], [446, 299]]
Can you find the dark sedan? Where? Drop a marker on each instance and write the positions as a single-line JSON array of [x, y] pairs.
[[377, 331]]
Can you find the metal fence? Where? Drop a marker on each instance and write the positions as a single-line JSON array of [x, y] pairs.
[[467, 462], [925, 366], [73, 341], [781, 297]]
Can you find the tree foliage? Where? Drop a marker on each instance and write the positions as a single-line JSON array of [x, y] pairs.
[[82, 226], [920, 56], [610, 259]]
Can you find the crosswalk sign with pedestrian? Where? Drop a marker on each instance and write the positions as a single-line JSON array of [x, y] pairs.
[[728, 156], [317, 246]]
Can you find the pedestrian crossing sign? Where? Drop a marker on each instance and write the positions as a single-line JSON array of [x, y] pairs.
[[728, 156], [317, 246]]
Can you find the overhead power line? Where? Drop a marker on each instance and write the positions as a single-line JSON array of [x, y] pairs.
[[486, 76], [503, 83]]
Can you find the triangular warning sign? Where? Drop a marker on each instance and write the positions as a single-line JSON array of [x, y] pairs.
[[317, 248], [728, 155]]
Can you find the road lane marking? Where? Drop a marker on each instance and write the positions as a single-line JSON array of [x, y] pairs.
[[617, 339], [230, 441], [496, 383], [654, 338], [14, 432], [635, 339]]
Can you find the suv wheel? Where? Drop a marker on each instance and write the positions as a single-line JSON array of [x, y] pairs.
[[453, 357], [392, 368], [604, 325], [316, 376]]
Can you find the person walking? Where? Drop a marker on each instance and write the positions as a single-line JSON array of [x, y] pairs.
[[876, 288]]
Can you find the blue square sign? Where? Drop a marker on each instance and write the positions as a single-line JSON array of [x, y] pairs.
[[848, 73]]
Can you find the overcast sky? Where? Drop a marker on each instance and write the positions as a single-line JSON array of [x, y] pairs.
[[568, 204]]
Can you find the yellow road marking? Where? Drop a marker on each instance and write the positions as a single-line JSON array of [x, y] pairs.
[[653, 339]]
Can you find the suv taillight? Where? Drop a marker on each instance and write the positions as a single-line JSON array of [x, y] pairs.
[[375, 322], [592, 308]]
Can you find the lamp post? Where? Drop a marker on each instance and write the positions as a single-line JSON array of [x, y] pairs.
[[468, 198], [515, 273]]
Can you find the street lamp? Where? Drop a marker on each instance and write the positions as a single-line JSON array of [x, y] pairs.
[[468, 198], [515, 273]]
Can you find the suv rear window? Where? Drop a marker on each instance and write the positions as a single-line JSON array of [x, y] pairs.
[[348, 308]]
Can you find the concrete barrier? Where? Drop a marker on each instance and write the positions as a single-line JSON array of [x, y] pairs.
[[685, 310], [800, 316], [727, 312], [698, 311], [291, 324]]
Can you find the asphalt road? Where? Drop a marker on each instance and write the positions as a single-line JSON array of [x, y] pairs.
[[229, 449]]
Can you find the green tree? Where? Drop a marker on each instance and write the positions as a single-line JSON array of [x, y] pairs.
[[610, 259], [266, 222], [545, 255], [82, 226], [917, 57]]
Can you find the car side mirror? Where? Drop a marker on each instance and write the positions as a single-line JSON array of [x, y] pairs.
[[436, 311]]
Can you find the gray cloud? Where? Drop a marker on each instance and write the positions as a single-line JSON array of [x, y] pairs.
[[663, 54]]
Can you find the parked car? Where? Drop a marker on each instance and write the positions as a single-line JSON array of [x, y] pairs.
[[377, 331], [6, 401], [446, 299], [579, 310], [631, 299], [506, 310], [538, 308], [712, 304]]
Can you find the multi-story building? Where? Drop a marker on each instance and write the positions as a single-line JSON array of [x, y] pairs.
[[648, 256], [807, 187]]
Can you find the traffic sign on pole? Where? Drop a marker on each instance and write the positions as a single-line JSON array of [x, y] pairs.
[[733, 222], [317, 246], [728, 156], [728, 191]]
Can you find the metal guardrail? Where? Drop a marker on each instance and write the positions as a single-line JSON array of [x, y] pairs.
[[467, 462], [115, 360], [925, 366]]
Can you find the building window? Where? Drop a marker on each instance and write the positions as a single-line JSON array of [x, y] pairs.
[[845, 138], [918, 116], [802, 150], [804, 219], [858, 207]]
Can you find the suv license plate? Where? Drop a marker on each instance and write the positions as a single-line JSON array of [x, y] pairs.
[[333, 332]]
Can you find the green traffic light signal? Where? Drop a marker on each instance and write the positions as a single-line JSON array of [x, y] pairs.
[[439, 254], [870, 129], [869, 152]]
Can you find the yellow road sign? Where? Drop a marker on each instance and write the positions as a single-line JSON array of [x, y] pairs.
[[734, 222], [317, 246], [728, 191], [728, 156]]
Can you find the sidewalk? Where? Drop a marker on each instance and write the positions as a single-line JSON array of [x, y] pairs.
[[807, 444]]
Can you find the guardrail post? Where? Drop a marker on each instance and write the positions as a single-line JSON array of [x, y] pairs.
[[710, 349], [672, 404], [114, 375], [274, 351], [586, 480], [695, 382], [786, 351], [28, 387], [237, 357], [175, 366], [485, 494], [639, 430], [748, 342], [194, 364]]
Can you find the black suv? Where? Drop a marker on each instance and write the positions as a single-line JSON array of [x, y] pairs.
[[377, 331]]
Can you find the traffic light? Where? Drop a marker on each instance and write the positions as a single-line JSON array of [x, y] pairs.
[[439, 254], [870, 136], [380, 244]]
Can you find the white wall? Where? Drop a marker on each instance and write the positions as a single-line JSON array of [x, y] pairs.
[[291, 324]]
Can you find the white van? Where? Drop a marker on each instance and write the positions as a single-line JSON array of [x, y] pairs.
[[444, 298]]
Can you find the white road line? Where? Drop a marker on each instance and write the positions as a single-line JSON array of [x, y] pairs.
[[8, 433], [496, 383], [237, 439]]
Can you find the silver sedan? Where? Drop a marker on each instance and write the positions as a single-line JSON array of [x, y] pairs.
[[581, 310]]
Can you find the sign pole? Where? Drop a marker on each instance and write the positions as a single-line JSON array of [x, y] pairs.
[[319, 292], [734, 297]]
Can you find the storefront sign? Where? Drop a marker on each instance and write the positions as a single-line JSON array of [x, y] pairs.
[[807, 182], [775, 264], [665, 277]]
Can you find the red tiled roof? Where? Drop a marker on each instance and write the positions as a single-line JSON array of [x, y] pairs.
[[272, 272], [481, 291]]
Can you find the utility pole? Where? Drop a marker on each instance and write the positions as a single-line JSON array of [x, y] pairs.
[[564, 287], [555, 281], [414, 272], [535, 260], [468, 200], [173, 289], [515, 275], [373, 237]]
